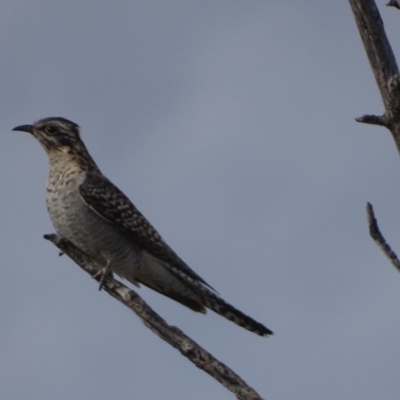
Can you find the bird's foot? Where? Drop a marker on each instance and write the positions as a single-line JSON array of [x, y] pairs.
[[103, 274]]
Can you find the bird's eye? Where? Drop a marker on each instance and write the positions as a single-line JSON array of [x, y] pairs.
[[50, 129]]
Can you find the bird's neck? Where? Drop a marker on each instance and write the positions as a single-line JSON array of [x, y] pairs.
[[77, 158], [68, 169]]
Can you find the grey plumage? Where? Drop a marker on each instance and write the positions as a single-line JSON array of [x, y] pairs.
[[91, 212]]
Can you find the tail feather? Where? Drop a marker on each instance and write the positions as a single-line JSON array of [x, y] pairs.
[[215, 303], [226, 310], [176, 284]]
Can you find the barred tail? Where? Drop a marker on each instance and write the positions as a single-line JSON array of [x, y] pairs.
[[208, 298], [227, 311]]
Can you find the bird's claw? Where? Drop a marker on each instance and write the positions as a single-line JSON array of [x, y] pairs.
[[103, 274]]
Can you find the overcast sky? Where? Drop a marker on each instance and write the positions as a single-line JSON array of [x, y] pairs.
[[230, 124]]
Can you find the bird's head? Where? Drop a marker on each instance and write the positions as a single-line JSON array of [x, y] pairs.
[[61, 140], [54, 134]]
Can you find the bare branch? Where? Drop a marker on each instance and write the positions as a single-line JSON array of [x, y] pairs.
[[379, 239], [386, 71], [383, 64], [373, 120], [171, 334]]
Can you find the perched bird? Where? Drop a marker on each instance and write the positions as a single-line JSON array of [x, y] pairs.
[[90, 211]]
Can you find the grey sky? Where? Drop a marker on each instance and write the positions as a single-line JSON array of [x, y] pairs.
[[230, 124]]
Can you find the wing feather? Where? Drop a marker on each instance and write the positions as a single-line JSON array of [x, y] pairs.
[[111, 204]]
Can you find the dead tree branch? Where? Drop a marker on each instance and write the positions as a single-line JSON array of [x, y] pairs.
[[171, 334], [386, 72], [383, 64]]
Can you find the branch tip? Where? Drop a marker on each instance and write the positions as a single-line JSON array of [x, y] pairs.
[[372, 120], [377, 236], [50, 236]]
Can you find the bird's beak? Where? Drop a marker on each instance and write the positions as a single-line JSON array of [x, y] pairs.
[[24, 128]]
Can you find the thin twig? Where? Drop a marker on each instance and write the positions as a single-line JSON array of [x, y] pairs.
[[379, 239], [372, 119], [171, 334]]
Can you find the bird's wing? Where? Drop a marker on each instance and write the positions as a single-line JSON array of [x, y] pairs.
[[106, 200]]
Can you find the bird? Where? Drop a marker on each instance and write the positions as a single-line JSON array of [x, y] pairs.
[[86, 208]]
